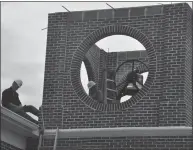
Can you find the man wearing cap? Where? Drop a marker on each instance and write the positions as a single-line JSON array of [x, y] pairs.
[[93, 92], [10, 100]]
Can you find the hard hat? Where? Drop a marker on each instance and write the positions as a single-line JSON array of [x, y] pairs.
[[91, 84], [18, 82]]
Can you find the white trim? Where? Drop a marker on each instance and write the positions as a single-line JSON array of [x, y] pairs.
[[13, 138], [26, 128], [119, 132], [16, 128], [7, 114]]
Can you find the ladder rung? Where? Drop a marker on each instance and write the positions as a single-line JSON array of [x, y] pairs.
[[111, 90], [110, 80], [110, 99]]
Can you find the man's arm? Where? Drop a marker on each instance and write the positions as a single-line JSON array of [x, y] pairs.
[[18, 102], [5, 98]]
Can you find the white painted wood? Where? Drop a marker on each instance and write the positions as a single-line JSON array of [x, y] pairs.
[[15, 129], [13, 138], [118, 132]]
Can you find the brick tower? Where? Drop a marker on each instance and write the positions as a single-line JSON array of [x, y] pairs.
[[159, 116]]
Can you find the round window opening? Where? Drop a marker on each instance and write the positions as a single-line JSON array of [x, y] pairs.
[[115, 53], [115, 68]]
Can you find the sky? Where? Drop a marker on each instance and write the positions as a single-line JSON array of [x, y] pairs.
[[23, 43]]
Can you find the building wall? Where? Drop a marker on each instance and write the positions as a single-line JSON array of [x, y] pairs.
[[188, 67], [96, 60], [32, 143], [164, 104], [115, 62], [168, 100], [103, 65], [115, 59], [93, 56], [176, 71], [192, 68], [125, 143], [6, 146], [95, 63]]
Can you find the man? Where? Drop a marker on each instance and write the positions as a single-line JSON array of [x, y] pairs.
[[10, 100], [94, 92]]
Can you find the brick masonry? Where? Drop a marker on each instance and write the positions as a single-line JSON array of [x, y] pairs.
[[133, 143], [176, 69], [166, 99], [115, 59], [32, 143], [94, 62], [161, 102], [188, 70], [6, 146], [122, 143]]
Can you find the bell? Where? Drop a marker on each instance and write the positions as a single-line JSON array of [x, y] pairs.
[[139, 83], [131, 90], [130, 86]]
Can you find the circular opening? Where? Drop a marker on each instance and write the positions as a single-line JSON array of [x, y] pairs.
[[123, 48], [119, 43], [84, 77], [83, 50]]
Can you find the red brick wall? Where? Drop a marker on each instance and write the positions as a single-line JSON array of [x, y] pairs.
[[164, 34], [176, 92], [188, 67], [32, 143], [95, 63], [165, 31], [117, 58], [125, 143], [6, 146]]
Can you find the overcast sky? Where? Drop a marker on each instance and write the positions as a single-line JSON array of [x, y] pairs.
[[23, 43]]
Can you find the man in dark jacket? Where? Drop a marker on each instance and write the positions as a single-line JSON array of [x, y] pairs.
[[10, 100]]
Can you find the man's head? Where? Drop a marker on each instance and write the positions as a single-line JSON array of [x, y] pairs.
[[16, 84], [91, 84]]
